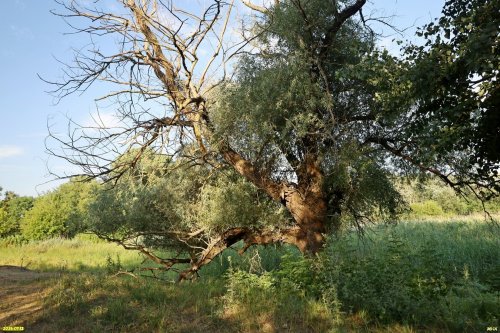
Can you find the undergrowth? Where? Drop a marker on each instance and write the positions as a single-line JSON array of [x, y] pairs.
[[429, 276], [412, 277]]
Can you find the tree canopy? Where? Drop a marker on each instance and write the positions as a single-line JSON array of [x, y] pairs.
[[12, 210], [58, 213], [288, 131], [455, 83]]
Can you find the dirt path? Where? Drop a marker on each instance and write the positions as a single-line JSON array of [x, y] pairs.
[[21, 295]]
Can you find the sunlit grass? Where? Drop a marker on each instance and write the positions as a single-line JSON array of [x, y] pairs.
[[89, 297], [83, 253]]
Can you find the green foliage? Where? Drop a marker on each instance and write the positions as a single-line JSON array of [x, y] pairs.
[[301, 94], [428, 197], [428, 207], [469, 307], [58, 213], [150, 200], [299, 274], [260, 302], [419, 273], [455, 84], [227, 203], [5, 228], [12, 210], [257, 259], [423, 274], [364, 190], [124, 210], [248, 287], [160, 198]]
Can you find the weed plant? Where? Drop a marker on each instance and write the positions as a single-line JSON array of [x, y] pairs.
[[411, 277], [432, 276]]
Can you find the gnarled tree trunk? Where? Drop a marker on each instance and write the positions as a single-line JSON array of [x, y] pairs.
[[309, 212]]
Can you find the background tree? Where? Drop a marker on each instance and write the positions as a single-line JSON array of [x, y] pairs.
[[13, 213], [12, 210], [60, 213], [455, 83], [311, 124]]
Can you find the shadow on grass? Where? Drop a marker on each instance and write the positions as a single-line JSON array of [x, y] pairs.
[[101, 303], [399, 268], [98, 303]]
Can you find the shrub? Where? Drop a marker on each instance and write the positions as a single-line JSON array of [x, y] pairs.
[[267, 302], [300, 274], [11, 213], [49, 217], [468, 307], [426, 208], [59, 213]]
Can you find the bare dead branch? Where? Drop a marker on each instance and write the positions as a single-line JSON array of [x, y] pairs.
[[255, 7]]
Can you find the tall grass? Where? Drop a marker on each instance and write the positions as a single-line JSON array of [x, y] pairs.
[[456, 244], [427, 275], [437, 274], [414, 276]]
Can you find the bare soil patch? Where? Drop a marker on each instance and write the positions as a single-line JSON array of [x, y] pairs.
[[21, 294]]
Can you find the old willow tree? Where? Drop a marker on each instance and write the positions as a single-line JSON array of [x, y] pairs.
[[237, 122]]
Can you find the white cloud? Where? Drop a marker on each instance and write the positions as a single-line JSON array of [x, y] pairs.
[[8, 151]]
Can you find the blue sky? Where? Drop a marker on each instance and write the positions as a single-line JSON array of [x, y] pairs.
[[32, 39]]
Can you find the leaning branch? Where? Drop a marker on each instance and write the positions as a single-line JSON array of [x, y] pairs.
[[249, 237], [251, 173]]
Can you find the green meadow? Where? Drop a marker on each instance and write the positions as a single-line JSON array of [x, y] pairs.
[[420, 276]]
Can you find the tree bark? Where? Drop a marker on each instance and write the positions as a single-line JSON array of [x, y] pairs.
[[309, 212], [306, 203]]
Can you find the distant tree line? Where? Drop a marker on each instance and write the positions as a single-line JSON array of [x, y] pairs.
[[59, 213], [122, 211]]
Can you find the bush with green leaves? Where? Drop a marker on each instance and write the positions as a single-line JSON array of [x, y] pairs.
[[279, 300], [59, 213], [145, 204], [159, 203], [427, 196], [427, 208], [12, 210], [5, 227]]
